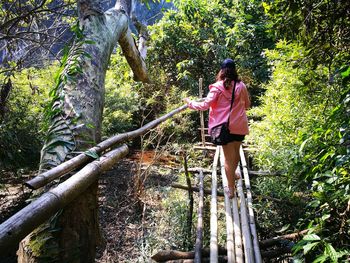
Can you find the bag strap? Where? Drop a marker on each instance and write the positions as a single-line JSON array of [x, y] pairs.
[[232, 99]]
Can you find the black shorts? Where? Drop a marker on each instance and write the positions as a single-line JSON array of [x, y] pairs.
[[236, 137]]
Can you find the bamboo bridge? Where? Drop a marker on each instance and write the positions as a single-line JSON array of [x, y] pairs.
[[241, 237]]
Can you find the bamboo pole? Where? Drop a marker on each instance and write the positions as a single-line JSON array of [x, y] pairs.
[[237, 231], [70, 165], [201, 113], [13, 230], [219, 193], [198, 246], [229, 221], [196, 169], [191, 201], [257, 254], [213, 148], [196, 189], [247, 241], [214, 211]]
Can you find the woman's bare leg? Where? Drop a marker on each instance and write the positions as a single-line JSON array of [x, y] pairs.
[[231, 152]]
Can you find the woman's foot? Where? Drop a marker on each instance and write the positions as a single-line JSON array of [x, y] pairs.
[[230, 191]]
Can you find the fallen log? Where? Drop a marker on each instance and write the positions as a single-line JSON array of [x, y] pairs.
[[277, 240], [166, 255], [270, 254]]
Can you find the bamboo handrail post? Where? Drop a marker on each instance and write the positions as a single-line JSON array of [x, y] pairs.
[[70, 165], [14, 229], [257, 254], [214, 211], [201, 113], [198, 246], [229, 221]]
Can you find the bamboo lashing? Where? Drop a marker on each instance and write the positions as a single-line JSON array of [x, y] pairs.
[[76, 162], [247, 240], [14, 229], [198, 246], [257, 254], [214, 211], [229, 222]]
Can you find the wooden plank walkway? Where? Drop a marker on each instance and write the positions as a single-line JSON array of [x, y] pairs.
[[241, 240], [242, 245]]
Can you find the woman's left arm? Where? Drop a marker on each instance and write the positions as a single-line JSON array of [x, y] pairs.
[[205, 104]]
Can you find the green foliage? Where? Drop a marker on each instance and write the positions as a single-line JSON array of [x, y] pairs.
[[192, 41], [292, 105], [21, 131], [321, 26], [121, 98], [304, 132]]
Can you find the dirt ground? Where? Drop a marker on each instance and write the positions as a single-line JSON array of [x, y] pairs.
[[122, 211], [123, 216]]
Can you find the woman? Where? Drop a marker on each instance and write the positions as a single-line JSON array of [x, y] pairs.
[[218, 101]]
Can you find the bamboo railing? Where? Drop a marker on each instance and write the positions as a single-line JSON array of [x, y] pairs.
[[76, 162]]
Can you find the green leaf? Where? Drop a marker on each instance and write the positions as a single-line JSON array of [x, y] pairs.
[[330, 251], [284, 228], [303, 145], [345, 73], [308, 247], [92, 154], [311, 237], [320, 259]]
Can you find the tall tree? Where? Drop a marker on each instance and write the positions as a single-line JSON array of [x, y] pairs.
[[76, 113]]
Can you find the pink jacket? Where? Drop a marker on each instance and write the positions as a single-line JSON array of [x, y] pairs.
[[218, 102]]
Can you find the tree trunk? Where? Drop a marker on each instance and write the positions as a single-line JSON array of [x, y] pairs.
[[73, 234]]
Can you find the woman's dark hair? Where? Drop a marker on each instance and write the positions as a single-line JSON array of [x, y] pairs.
[[227, 73]]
